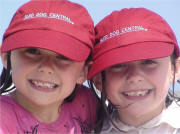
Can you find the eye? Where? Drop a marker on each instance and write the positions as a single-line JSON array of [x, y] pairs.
[[32, 51], [148, 62], [118, 67], [62, 60], [60, 57]]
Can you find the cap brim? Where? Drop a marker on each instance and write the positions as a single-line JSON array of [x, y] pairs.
[[60, 43], [132, 52]]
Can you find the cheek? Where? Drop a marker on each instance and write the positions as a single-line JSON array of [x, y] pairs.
[[161, 80], [113, 85], [20, 70], [18, 66], [20, 62], [114, 80], [70, 74]]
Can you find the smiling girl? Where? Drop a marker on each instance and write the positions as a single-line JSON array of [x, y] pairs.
[[45, 63], [135, 60]]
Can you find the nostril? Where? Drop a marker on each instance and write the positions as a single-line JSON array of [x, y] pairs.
[[49, 72], [134, 79], [48, 69]]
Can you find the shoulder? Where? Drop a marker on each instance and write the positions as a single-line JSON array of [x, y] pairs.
[[84, 107], [83, 90], [7, 114], [172, 115], [6, 103], [86, 96], [13, 117]]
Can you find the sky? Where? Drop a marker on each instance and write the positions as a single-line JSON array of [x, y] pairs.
[[98, 9]]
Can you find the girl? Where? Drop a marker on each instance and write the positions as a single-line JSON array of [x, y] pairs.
[[135, 60], [44, 53]]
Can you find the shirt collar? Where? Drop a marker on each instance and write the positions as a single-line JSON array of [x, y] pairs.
[[169, 116]]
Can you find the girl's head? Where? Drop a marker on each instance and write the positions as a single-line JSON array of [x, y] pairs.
[[138, 56], [45, 48]]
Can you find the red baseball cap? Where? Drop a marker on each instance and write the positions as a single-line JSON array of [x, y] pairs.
[[130, 35], [57, 25]]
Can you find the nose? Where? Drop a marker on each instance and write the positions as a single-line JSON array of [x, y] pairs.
[[46, 65], [134, 75]]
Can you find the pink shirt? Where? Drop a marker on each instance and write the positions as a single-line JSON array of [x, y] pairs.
[[76, 117]]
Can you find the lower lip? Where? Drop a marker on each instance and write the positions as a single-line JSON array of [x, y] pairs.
[[42, 89], [138, 97]]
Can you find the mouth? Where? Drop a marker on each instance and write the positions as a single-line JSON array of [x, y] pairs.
[[137, 94], [43, 84]]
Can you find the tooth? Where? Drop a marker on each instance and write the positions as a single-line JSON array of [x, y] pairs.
[[140, 93], [40, 84]]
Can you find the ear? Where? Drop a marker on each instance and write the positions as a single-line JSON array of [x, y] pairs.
[[98, 81], [83, 75], [4, 59], [177, 70]]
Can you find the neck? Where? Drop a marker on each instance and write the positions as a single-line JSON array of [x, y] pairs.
[[46, 115], [139, 119], [43, 113]]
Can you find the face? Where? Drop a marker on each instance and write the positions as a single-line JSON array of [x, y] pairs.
[[43, 77], [139, 88]]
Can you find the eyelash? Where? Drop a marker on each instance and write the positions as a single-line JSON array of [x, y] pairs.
[[62, 58], [119, 66], [33, 51], [148, 62]]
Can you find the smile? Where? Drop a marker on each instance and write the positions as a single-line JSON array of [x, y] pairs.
[[137, 93], [41, 84]]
